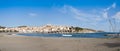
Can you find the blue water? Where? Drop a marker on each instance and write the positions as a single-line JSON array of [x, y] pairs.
[[75, 35]]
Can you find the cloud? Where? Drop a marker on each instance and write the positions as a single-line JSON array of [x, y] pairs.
[[105, 14], [105, 11], [114, 5], [81, 15], [110, 7], [85, 16], [32, 14], [93, 17], [117, 16], [113, 19]]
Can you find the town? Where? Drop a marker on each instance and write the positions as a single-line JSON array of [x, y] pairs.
[[47, 29]]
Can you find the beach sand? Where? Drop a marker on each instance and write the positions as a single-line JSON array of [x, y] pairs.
[[24, 43]]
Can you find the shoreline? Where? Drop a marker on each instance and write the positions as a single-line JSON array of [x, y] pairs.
[[55, 33], [58, 35]]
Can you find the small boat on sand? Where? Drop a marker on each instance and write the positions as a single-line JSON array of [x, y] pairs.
[[13, 34], [66, 35]]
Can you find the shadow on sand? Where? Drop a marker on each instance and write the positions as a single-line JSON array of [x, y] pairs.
[[112, 45]]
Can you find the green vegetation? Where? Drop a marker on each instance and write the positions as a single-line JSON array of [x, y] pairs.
[[21, 26], [1, 27], [78, 29]]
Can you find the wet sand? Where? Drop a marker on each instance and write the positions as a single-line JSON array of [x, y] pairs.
[[24, 43]]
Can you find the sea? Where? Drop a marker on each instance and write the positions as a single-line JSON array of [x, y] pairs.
[[71, 35]]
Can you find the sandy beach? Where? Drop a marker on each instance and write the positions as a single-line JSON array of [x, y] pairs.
[[24, 43]]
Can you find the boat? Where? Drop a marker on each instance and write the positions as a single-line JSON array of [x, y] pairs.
[[13, 34], [113, 35], [66, 35]]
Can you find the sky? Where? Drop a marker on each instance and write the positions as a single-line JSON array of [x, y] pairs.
[[95, 14]]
